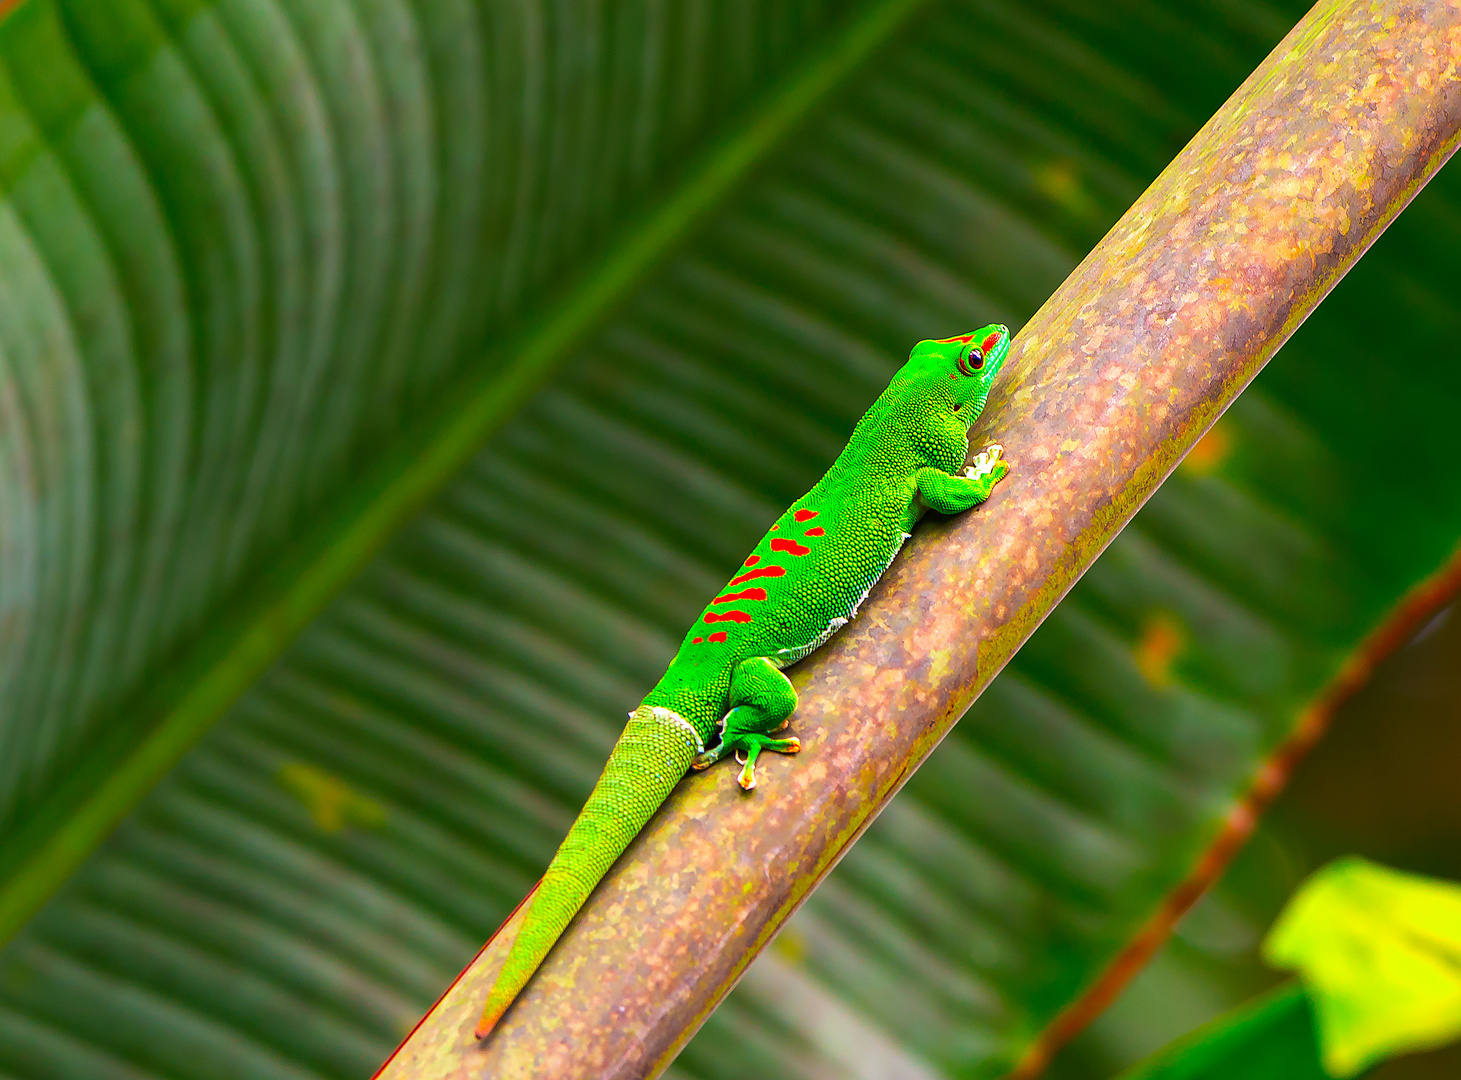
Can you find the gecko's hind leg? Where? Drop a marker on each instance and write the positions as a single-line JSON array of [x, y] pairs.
[[761, 701]]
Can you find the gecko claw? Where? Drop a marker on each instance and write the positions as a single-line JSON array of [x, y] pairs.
[[985, 462], [748, 748], [747, 777]]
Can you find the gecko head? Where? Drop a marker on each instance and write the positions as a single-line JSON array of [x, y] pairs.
[[965, 365]]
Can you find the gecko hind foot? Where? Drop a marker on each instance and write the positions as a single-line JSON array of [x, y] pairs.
[[752, 743]]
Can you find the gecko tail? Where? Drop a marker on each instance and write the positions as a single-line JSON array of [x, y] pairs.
[[560, 894], [651, 755], [490, 1015]]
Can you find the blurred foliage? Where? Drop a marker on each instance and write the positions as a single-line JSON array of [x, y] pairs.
[[257, 243], [1272, 1038], [1383, 783], [1377, 955], [1379, 952]]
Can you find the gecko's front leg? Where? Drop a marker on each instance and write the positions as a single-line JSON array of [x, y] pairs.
[[951, 493]]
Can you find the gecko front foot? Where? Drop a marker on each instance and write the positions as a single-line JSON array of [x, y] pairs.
[[987, 461]]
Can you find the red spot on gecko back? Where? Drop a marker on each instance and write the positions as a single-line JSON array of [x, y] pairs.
[[775, 525], [791, 547], [719, 635], [752, 560], [804, 515], [697, 641], [990, 342], [765, 571], [727, 616], [965, 338], [745, 594], [818, 531]]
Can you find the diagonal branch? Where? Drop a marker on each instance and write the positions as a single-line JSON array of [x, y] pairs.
[[1140, 350]]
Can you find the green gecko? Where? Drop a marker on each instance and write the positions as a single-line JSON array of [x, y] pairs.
[[803, 582]]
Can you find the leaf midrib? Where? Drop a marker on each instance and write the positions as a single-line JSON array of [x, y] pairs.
[[214, 673]]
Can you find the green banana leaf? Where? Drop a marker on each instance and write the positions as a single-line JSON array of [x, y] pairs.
[[256, 256]]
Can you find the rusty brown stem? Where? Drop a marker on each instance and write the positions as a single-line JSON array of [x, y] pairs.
[[1414, 610], [1111, 382]]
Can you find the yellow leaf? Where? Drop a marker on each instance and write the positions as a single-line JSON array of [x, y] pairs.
[[1380, 954]]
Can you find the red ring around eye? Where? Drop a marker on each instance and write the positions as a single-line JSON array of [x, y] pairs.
[[962, 368]]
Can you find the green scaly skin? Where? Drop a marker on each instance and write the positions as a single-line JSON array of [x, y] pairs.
[[804, 581]]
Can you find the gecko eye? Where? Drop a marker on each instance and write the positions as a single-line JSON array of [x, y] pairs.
[[971, 363]]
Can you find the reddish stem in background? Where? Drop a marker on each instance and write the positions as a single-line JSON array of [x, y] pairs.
[[1415, 609]]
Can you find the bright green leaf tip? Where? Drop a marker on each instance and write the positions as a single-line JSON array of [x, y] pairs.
[[1380, 954]]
